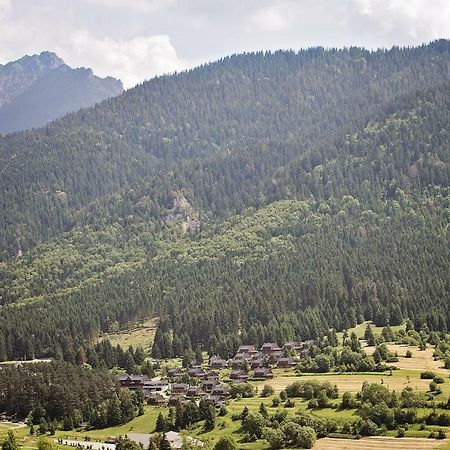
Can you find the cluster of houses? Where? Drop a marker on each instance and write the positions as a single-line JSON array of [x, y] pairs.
[[249, 363]]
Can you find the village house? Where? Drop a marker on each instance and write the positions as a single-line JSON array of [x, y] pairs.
[[174, 399], [270, 348], [196, 372], [238, 375], [179, 388], [257, 363], [217, 363], [156, 400], [173, 373], [221, 391], [247, 349], [208, 385], [155, 385], [291, 346], [211, 375], [263, 372], [195, 392], [285, 363], [133, 381]]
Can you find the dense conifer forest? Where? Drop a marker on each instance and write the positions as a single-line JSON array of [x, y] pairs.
[[267, 196]]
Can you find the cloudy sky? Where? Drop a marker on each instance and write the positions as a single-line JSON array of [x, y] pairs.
[[135, 40]]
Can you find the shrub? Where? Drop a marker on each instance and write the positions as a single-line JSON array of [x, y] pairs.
[[427, 375], [267, 391], [438, 380], [408, 354], [401, 432], [441, 434], [226, 443]]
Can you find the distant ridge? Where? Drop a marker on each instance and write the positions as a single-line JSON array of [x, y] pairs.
[[37, 89]]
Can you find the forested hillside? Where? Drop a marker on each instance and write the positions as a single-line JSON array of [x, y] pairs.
[[262, 197]]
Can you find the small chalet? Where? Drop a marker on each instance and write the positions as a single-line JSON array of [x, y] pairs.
[[211, 375], [248, 349], [155, 386], [263, 372], [217, 363], [238, 375], [285, 363], [179, 388], [236, 363], [172, 373], [156, 399], [208, 385], [242, 356], [221, 391], [195, 391], [133, 381], [215, 400], [256, 363], [174, 399], [196, 372], [291, 346], [270, 347]]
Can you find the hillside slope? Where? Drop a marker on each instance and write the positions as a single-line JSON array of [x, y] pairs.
[[35, 90], [219, 132], [353, 228]]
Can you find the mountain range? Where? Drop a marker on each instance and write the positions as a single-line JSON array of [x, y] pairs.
[[35, 90], [266, 196]]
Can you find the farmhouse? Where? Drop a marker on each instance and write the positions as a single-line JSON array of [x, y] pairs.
[[263, 372], [221, 391], [133, 381], [208, 385], [179, 388], [156, 399], [285, 363], [174, 399], [196, 372], [270, 347], [195, 391], [238, 375], [247, 349], [172, 373], [217, 363]]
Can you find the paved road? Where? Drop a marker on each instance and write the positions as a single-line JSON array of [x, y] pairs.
[[87, 444]]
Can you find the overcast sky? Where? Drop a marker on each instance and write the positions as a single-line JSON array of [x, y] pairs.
[[135, 40]]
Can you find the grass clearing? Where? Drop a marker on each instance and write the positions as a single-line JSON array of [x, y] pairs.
[[352, 382], [139, 334], [421, 359]]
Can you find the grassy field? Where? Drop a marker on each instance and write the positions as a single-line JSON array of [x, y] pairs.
[[421, 359], [376, 443], [353, 382], [139, 334]]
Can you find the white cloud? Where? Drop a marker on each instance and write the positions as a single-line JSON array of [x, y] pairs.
[[146, 6], [132, 61], [273, 18], [5, 9], [419, 19]]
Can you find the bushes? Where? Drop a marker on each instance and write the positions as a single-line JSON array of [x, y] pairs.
[[427, 375], [311, 389], [267, 391], [244, 390]]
